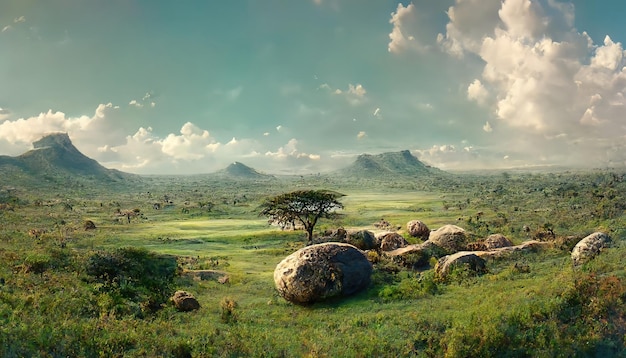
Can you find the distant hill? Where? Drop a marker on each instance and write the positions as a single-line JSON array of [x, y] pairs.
[[241, 171], [54, 157], [393, 163]]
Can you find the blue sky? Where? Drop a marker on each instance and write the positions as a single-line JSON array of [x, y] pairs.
[[166, 87]]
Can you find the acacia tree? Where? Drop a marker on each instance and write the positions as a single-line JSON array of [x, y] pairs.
[[304, 206]]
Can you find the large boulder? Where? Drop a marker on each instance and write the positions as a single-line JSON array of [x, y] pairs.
[[391, 241], [587, 248], [321, 271], [362, 239], [184, 301], [417, 228], [468, 260], [449, 237], [497, 241]]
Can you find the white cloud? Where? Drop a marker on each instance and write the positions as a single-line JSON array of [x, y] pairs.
[[356, 90], [401, 36], [289, 157], [542, 79], [376, 112], [477, 92], [355, 94], [18, 20], [487, 127], [361, 135], [135, 103], [7, 28], [193, 143], [609, 56]]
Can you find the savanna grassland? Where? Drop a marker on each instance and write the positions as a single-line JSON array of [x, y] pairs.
[[68, 289]]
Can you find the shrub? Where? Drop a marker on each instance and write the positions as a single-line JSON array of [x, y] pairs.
[[133, 276], [228, 313]]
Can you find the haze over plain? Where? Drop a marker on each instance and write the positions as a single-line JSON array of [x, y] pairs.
[[303, 87]]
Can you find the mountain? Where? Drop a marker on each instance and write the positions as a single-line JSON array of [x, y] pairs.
[[393, 163], [241, 171], [54, 157]]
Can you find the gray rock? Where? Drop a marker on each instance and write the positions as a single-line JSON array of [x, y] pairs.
[[589, 247], [449, 237], [318, 272], [362, 239]]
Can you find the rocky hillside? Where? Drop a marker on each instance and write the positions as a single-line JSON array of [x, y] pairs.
[[55, 158], [393, 163]]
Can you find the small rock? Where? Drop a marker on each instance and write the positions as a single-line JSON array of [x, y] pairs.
[[185, 301]]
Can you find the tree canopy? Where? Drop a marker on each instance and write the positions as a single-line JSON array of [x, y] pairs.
[[303, 206]]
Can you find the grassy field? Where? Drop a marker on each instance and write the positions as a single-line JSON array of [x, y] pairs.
[[50, 306]]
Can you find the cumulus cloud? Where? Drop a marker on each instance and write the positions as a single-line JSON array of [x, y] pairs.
[[403, 33], [361, 135], [477, 92], [541, 78], [290, 150], [487, 127], [192, 143]]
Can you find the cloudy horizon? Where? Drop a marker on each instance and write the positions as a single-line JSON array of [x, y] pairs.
[[305, 87]]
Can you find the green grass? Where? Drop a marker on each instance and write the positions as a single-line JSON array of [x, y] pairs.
[[49, 307]]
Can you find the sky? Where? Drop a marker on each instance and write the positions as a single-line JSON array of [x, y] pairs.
[[297, 87]]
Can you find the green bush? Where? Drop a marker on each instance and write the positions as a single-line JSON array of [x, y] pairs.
[[129, 277], [411, 287]]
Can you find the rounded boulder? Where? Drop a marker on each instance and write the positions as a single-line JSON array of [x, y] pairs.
[[449, 237], [362, 239], [497, 241], [322, 271], [417, 228], [391, 241], [589, 247], [467, 260]]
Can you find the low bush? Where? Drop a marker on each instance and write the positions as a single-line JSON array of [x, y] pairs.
[[129, 278]]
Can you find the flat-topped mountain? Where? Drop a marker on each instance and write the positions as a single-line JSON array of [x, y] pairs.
[[391, 163], [55, 156]]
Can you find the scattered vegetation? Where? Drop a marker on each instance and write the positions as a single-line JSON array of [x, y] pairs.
[[70, 288]]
